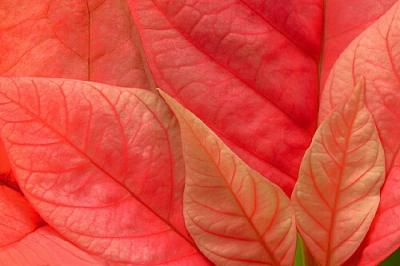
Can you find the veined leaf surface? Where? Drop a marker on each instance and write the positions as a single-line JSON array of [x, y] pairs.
[[340, 178], [236, 64], [344, 20], [24, 240], [240, 68], [235, 216], [381, 72], [102, 165], [79, 39]]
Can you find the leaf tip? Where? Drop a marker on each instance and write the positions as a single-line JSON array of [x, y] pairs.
[[167, 98]]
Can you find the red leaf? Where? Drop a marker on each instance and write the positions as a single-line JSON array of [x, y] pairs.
[[71, 39], [90, 40], [17, 218], [102, 165], [344, 20], [23, 241], [299, 21], [248, 68], [241, 69], [382, 96], [236, 216], [337, 193]]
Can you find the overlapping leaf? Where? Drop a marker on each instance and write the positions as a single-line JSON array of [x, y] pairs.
[[344, 20], [337, 192], [235, 216], [240, 68], [102, 165], [247, 68], [381, 72], [71, 39], [25, 241]]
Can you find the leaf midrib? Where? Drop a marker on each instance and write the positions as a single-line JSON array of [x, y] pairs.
[[337, 189], [237, 201], [300, 126], [87, 157]]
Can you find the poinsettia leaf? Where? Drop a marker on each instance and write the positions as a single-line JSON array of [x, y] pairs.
[[102, 165], [235, 215], [24, 240], [343, 21], [240, 68], [381, 72], [71, 39], [337, 192], [79, 39]]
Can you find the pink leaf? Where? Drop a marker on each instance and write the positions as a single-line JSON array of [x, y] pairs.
[[337, 193], [24, 241], [344, 20], [381, 72], [102, 165], [235, 216]]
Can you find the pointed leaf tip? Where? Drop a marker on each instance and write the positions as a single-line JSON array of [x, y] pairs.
[[234, 215], [375, 55], [341, 174]]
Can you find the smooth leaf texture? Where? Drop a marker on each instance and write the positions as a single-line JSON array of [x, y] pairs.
[[381, 72], [240, 68], [235, 216], [80, 39], [24, 241], [337, 192], [102, 165]]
